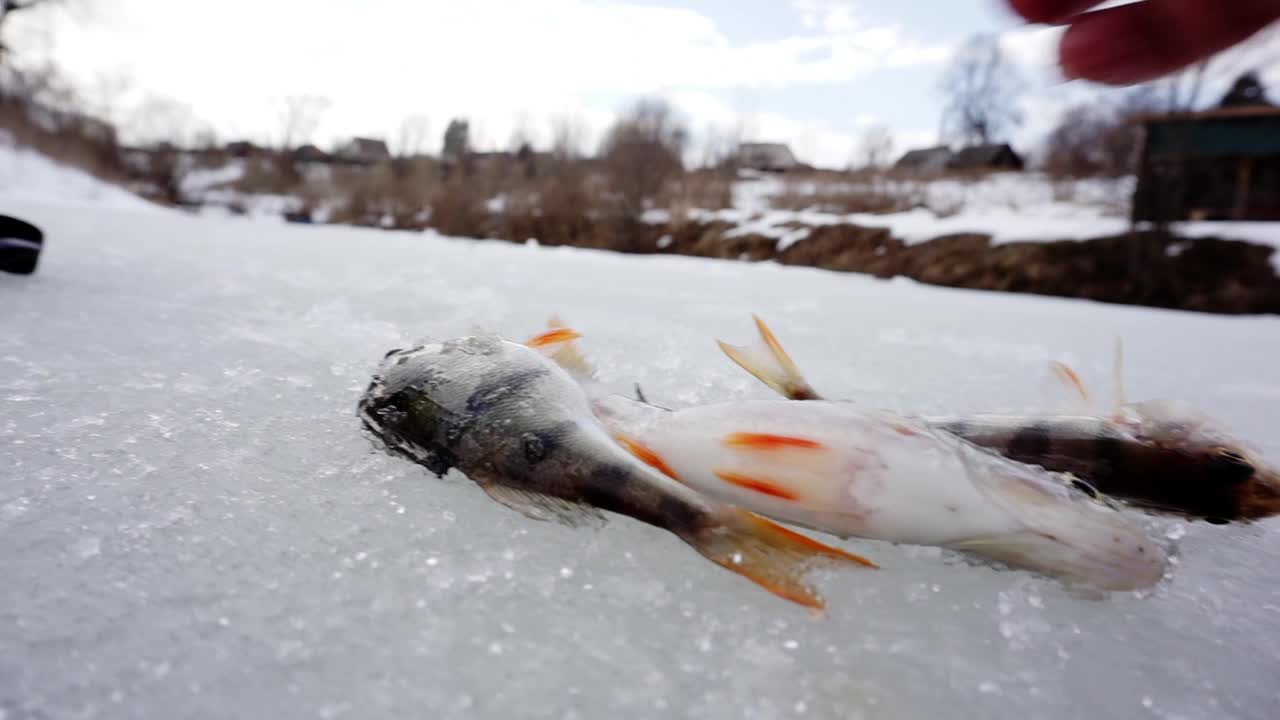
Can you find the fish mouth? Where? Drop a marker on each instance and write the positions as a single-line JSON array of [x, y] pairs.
[[402, 417], [1259, 497]]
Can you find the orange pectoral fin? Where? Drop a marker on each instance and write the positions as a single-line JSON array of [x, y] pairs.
[[645, 455], [553, 337], [773, 557]]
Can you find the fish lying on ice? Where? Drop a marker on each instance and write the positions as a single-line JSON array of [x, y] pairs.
[[1159, 455], [854, 472], [522, 429]]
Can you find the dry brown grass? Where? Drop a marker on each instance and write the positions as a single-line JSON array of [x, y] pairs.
[[845, 193]]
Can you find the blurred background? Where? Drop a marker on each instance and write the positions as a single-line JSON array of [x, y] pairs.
[[935, 141]]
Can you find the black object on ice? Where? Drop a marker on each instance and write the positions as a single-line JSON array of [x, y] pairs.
[[20, 245]]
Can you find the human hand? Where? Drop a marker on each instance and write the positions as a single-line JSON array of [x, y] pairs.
[[1148, 39]]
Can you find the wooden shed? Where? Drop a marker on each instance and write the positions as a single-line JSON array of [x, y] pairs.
[[1220, 164]]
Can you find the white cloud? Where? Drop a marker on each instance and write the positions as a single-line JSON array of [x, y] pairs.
[[490, 60]]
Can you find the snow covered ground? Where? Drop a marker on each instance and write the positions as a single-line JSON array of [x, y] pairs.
[[193, 526], [28, 176], [1008, 206]]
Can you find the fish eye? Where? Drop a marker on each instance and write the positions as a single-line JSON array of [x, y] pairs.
[[1230, 465], [1085, 488]]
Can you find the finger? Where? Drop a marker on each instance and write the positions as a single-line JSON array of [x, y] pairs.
[[1050, 11], [1142, 41]]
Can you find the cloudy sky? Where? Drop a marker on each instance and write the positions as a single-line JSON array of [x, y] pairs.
[[813, 73]]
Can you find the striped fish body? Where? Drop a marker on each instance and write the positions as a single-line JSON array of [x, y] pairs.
[[1174, 478]]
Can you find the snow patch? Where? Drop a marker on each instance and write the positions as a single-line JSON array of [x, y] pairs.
[[27, 176]]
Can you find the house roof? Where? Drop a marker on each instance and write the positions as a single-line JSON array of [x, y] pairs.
[[772, 153], [981, 155], [366, 146], [1239, 111], [925, 156]]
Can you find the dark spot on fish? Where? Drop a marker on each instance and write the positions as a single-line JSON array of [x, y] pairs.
[[610, 475], [488, 397], [1085, 488], [953, 508], [1109, 450], [598, 496], [1031, 441], [1230, 467], [679, 514], [1142, 550]]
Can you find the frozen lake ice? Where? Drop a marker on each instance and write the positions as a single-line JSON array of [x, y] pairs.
[[192, 524]]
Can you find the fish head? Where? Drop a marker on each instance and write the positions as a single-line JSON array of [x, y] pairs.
[[1222, 458], [422, 401]]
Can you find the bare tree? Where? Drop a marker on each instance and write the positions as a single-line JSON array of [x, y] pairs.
[[1099, 138], [982, 90], [875, 148], [457, 140], [567, 138], [299, 117]]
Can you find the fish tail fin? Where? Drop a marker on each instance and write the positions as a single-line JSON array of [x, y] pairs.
[[771, 556], [771, 364], [560, 344], [1101, 561], [1065, 532]]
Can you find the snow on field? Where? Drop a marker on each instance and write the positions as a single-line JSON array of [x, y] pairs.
[[1008, 206], [192, 524], [28, 176]]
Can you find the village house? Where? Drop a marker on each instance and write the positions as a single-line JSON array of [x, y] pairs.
[[766, 157]]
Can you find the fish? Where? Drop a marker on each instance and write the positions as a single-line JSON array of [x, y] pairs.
[[855, 472], [1162, 456], [509, 418]]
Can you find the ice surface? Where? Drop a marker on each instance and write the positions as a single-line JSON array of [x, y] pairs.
[[192, 524]]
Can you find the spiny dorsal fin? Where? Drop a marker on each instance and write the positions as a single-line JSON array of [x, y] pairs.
[[770, 363], [560, 344], [1078, 400], [1117, 377]]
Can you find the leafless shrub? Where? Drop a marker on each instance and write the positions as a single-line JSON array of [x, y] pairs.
[[39, 109], [641, 153], [845, 193], [875, 148], [1099, 140]]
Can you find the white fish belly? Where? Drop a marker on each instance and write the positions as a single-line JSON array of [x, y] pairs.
[[830, 467]]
